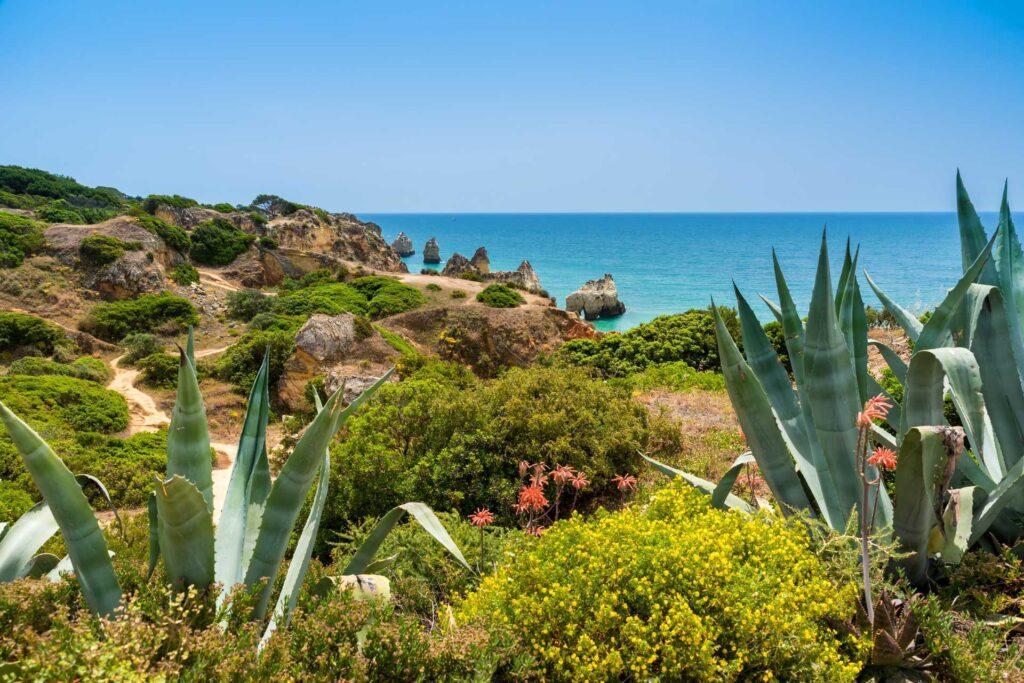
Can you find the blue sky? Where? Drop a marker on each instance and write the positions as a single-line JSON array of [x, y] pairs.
[[526, 106]]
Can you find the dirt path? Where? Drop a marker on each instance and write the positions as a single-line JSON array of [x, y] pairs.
[[214, 279], [145, 416]]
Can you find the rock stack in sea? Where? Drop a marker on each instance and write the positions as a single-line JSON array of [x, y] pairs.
[[403, 245], [431, 252], [458, 265], [596, 299], [524, 277], [481, 261]]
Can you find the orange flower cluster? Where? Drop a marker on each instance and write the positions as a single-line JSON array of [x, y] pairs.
[[883, 458], [875, 408], [481, 518]]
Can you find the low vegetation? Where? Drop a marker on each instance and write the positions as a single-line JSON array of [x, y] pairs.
[[500, 296], [99, 250], [19, 237], [21, 333], [163, 313], [218, 242], [184, 274]]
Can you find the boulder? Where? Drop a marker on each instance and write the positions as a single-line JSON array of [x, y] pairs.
[[354, 382], [524, 277], [431, 252], [481, 261], [327, 338], [457, 265], [596, 299], [403, 245], [132, 274]]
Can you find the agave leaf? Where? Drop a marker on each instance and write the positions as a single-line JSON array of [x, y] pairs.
[[41, 565], [907, 320], [190, 347], [923, 402], [422, 514], [792, 324], [957, 520], [860, 343], [89, 480], [60, 569], [250, 462], [767, 440], [188, 440], [922, 460], [938, 331], [1006, 492], [727, 481], [288, 493], [299, 565], [731, 501], [849, 265], [832, 389], [972, 233], [24, 539], [1000, 379], [773, 307], [85, 542], [154, 533], [185, 527], [1009, 267], [892, 359]]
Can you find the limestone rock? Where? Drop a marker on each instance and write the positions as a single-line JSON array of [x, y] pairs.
[[327, 338], [127, 277], [457, 265], [596, 299], [481, 261], [339, 236], [524, 277], [403, 245], [354, 382], [431, 252]]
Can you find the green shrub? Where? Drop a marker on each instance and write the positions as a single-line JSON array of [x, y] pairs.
[[154, 201], [331, 299], [429, 271], [320, 276], [445, 438], [362, 327], [688, 337], [458, 294], [474, 277], [268, 243], [138, 345], [218, 242], [248, 303], [271, 203], [60, 212], [80, 404], [433, 287], [21, 201], [99, 250], [113, 320], [396, 341], [20, 331], [676, 376], [87, 367], [159, 369], [674, 591], [223, 207], [30, 181], [258, 218], [277, 323], [173, 236], [242, 360], [19, 237], [185, 274], [14, 502], [387, 296], [500, 296]]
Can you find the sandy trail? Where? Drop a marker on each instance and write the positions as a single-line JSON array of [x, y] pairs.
[[214, 279], [145, 416]]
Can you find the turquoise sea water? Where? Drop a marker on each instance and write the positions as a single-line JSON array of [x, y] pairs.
[[667, 263]]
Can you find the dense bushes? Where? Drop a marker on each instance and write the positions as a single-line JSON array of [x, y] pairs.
[[19, 237], [113, 320], [139, 345], [500, 296], [92, 369], [159, 369], [173, 236], [331, 299], [387, 296], [247, 304], [80, 404], [218, 242], [31, 181], [242, 360], [99, 250], [23, 332], [185, 274], [445, 438], [676, 591], [687, 337], [154, 201]]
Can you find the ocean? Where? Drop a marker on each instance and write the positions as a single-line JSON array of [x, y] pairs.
[[670, 262]]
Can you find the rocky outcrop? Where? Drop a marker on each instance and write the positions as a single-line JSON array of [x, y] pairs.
[[354, 382], [132, 274], [403, 245], [431, 252], [489, 339], [481, 261], [458, 265], [191, 216], [596, 299], [261, 268], [337, 349], [524, 277], [341, 236]]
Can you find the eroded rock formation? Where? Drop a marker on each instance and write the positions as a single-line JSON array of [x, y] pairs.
[[481, 261], [596, 299], [457, 265], [403, 245], [524, 277], [431, 252]]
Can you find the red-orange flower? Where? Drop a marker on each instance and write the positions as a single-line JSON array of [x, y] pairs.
[[875, 408], [562, 474], [524, 467], [531, 499], [580, 481], [481, 517], [624, 483], [883, 458]]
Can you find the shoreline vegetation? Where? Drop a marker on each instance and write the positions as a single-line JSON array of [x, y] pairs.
[[243, 442]]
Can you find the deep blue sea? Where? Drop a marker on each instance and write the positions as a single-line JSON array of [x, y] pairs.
[[667, 263]]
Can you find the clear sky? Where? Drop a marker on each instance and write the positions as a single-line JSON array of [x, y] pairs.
[[522, 106]]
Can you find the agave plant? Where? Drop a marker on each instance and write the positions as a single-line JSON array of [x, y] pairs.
[[803, 437], [249, 543]]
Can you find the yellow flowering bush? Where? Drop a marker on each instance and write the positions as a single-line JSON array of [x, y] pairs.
[[678, 591]]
